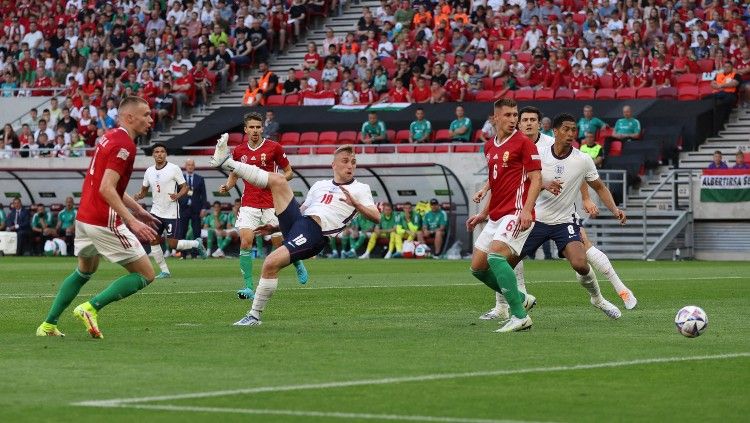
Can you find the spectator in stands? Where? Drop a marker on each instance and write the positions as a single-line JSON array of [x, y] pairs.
[[373, 131], [420, 130], [366, 94], [589, 123], [19, 221], [10, 139], [292, 84], [718, 161], [537, 72], [726, 83], [434, 224], [297, 13], [349, 96], [253, 94], [593, 149], [547, 127], [455, 88], [164, 106], [739, 161], [627, 127], [271, 127], [460, 129], [488, 130]]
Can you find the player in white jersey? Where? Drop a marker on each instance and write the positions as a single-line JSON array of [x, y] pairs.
[[529, 123], [167, 186], [329, 206], [556, 216]]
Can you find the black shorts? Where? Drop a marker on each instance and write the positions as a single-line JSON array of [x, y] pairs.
[[562, 234], [167, 227], [303, 237]]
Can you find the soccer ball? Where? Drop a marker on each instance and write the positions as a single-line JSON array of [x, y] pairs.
[[691, 321]]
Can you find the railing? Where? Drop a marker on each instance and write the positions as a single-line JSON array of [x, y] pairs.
[[43, 152], [616, 177], [672, 178], [312, 149]]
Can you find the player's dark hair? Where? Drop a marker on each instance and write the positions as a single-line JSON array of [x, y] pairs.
[[156, 145], [215, 203], [346, 148], [505, 102], [131, 100], [562, 118], [253, 116], [531, 109]]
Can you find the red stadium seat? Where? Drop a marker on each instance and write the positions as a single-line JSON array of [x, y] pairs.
[[390, 135], [524, 56], [503, 93], [487, 83], [475, 137], [442, 135], [667, 93], [544, 94], [291, 100], [325, 150], [606, 81], [402, 136], [689, 93], [605, 94], [443, 148], [565, 94], [420, 148], [275, 100], [602, 134], [585, 94], [467, 148], [646, 92], [236, 138], [328, 137], [615, 149], [347, 137], [625, 93], [406, 148], [498, 84], [308, 138], [290, 138], [524, 95], [705, 90], [485, 96], [685, 80]]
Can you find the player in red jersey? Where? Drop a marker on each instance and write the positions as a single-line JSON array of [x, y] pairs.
[[515, 182], [257, 203], [109, 223]]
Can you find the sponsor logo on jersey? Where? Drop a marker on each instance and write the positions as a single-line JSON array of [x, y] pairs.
[[123, 154]]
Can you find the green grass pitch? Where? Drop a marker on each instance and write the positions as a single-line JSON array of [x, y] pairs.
[[377, 341]]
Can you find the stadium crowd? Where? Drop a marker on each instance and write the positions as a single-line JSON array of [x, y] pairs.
[[437, 51]]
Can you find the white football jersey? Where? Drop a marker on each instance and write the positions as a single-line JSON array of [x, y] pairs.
[[544, 141], [570, 171], [326, 200], [163, 182]]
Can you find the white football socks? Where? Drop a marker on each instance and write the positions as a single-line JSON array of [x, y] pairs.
[[589, 282], [264, 292], [251, 173], [184, 244], [601, 262], [521, 281], [158, 255]]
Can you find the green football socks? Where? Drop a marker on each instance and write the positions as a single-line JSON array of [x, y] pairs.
[[506, 278], [119, 289], [246, 266], [68, 291]]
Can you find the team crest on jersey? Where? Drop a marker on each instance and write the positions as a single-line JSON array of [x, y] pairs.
[[506, 156], [263, 159], [123, 154], [559, 169], [243, 159]]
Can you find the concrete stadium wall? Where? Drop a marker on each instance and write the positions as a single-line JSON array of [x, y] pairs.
[[12, 108]]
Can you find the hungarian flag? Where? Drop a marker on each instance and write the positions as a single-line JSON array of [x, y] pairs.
[[319, 99], [725, 185]]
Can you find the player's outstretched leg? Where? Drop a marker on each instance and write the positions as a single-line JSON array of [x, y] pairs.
[[158, 255], [589, 282], [69, 289], [506, 279], [600, 262]]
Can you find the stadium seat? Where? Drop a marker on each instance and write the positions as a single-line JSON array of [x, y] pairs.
[[667, 93], [467, 148], [705, 90], [291, 100], [487, 83], [402, 136], [544, 94], [498, 84], [443, 148], [421, 148], [615, 149], [524, 95], [564, 94], [390, 135], [602, 134], [275, 100], [308, 138], [605, 94], [688, 93], [475, 137], [625, 93], [236, 138], [503, 93], [328, 137], [646, 92], [406, 148], [442, 135], [706, 65], [290, 138], [606, 81], [485, 96], [584, 94], [524, 56], [325, 150], [685, 80], [347, 137]]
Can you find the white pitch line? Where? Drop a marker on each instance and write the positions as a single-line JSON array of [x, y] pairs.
[[315, 288], [386, 381], [337, 415]]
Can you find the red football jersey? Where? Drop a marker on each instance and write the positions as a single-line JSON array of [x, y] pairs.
[[509, 163], [115, 151], [453, 88], [661, 75], [620, 80], [421, 95], [269, 156]]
